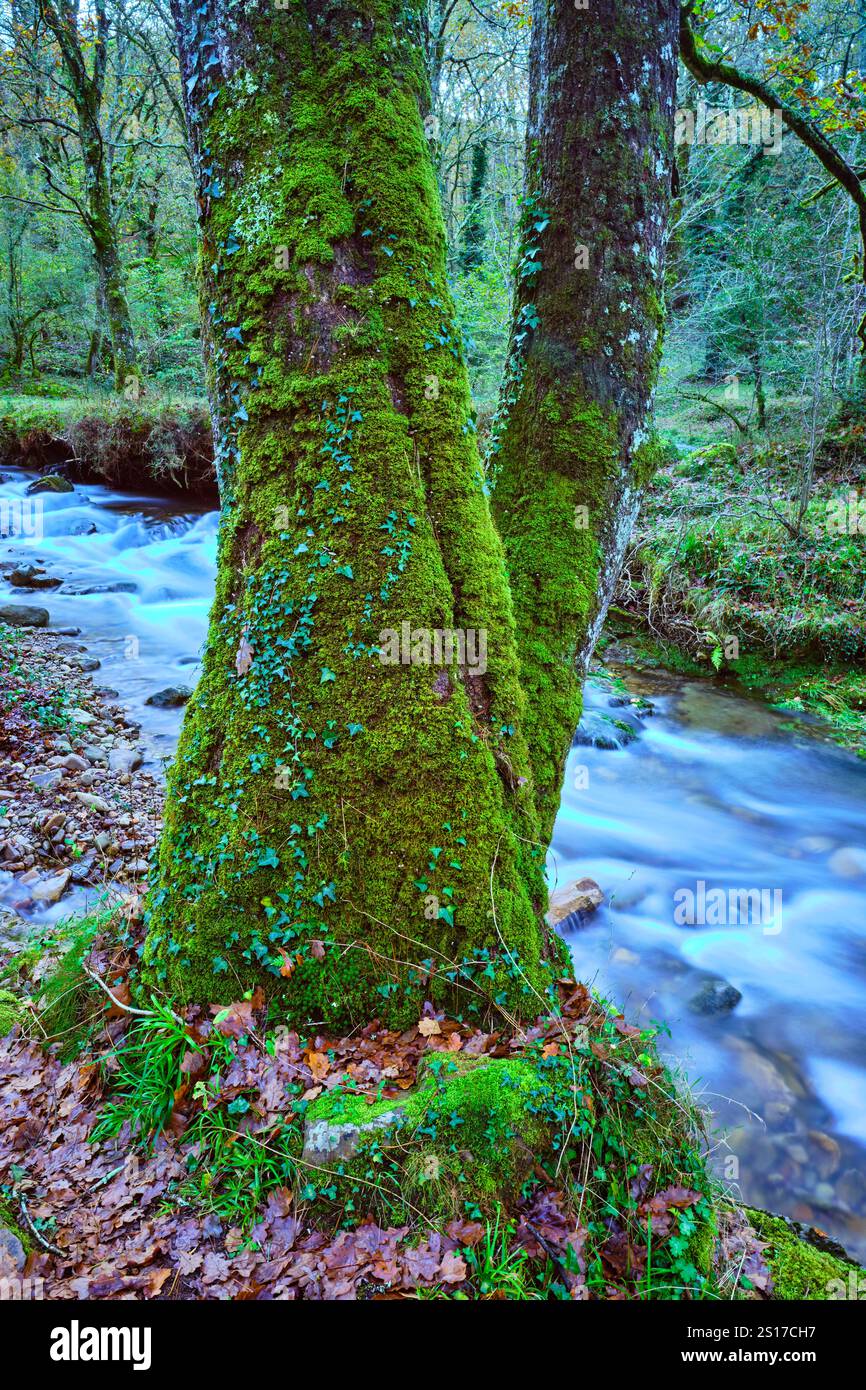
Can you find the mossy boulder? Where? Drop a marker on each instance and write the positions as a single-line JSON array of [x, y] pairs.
[[472, 1126], [708, 459], [52, 482], [805, 1265]]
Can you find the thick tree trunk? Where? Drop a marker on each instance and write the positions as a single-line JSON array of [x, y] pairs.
[[572, 446], [361, 834]]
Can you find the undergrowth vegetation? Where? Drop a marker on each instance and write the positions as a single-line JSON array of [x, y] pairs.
[[749, 559], [565, 1153]]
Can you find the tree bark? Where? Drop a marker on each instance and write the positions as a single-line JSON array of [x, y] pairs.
[[572, 447], [358, 834]]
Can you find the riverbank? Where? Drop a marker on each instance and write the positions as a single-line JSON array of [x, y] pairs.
[[724, 574], [153, 443], [80, 815], [222, 1110]]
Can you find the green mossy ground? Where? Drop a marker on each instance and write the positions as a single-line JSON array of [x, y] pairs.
[[9, 1222], [479, 1134], [800, 1270], [472, 1130], [153, 442]]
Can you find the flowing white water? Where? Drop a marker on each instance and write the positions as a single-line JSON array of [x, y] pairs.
[[720, 790], [715, 789], [138, 577]]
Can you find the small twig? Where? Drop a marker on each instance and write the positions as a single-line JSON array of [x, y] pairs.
[[126, 1008], [108, 1176], [52, 1249], [548, 1250]]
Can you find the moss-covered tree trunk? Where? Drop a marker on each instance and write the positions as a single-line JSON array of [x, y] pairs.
[[350, 813], [86, 85], [572, 445]]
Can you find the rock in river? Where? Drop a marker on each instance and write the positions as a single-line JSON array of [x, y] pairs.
[[584, 896], [170, 698], [849, 862], [52, 482], [33, 577], [715, 997], [50, 889], [22, 615]]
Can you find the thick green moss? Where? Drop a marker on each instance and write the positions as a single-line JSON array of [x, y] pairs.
[[358, 834], [11, 1011], [554, 467], [478, 1134], [800, 1270], [472, 1130]]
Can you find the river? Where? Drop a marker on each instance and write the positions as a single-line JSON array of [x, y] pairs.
[[707, 791]]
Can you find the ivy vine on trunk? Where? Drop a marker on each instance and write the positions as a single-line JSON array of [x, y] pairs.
[[351, 816]]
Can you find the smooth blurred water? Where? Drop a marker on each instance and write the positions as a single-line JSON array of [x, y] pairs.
[[148, 635], [719, 788], [713, 788]]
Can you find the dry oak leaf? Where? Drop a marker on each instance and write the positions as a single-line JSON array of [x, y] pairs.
[[453, 1268], [319, 1065], [234, 1019]]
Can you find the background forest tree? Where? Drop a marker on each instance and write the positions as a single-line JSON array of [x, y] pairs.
[[478, 61]]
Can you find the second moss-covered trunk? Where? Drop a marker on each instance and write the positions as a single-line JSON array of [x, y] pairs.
[[350, 814], [572, 445]]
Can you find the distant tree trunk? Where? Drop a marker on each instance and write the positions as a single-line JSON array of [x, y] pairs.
[[113, 276], [86, 88], [358, 833], [572, 446], [758, 373], [473, 226], [19, 347]]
